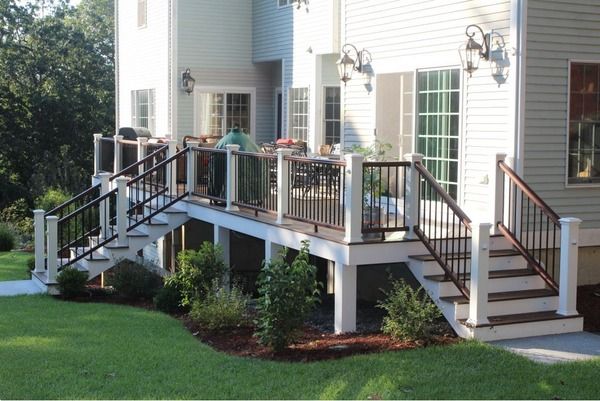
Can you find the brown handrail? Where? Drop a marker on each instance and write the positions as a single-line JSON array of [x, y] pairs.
[[254, 154], [156, 167], [137, 164], [128, 142], [529, 192], [398, 163], [313, 160]]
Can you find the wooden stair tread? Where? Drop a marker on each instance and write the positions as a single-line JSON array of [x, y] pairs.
[[496, 253], [494, 274], [518, 318], [504, 296], [135, 233]]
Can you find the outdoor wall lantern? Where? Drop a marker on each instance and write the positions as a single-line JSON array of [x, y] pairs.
[[472, 51], [300, 2], [352, 60], [187, 81]]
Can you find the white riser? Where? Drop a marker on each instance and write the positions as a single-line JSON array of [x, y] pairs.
[[541, 304], [504, 284], [520, 330], [432, 267]]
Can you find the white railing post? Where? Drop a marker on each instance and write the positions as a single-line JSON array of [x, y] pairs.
[[122, 206], [118, 153], [231, 177], [569, 247], [353, 198], [40, 248], [104, 214], [52, 247], [172, 167], [97, 153], [412, 194], [141, 151], [192, 163], [283, 185], [480, 267], [496, 183]]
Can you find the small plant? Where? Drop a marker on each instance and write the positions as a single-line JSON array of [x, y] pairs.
[[287, 295], [410, 312], [197, 271], [30, 265], [71, 282], [134, 281], [52, 198], [7, 238], [220, 308], [168, 299], [18, 216]]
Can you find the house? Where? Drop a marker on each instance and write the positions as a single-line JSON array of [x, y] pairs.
[[500, 145]]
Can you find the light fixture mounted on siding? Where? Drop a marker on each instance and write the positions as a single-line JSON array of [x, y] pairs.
[[352, 60], [473, 51], [187, 81], [300, 2]]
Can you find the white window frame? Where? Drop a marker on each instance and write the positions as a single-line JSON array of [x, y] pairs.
[[225, 90], [151, 93], [291, 113], [324, 119], [143, 3]]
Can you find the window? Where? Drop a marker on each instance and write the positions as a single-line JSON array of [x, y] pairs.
[[584, 124], [283, 3], [438, 114], [218, 112], [142, 13], [332, 115], [299, 113], [142, 109]]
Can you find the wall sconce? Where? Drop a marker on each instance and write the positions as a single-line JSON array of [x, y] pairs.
[[187, 81], [300, 2], [352, 60], [472, 51]]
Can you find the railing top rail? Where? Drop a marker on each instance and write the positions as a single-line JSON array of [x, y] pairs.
[[128, 142], [443, 194], [107, 138], [529, 192], [392, 163], [71, 201], [207, 150], [254, 154], [158, 166], [88, 205], [138, 163], [310, 160], [154, 144]]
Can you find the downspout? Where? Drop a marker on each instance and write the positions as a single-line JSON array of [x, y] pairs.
[[520, 83], [116, 55]]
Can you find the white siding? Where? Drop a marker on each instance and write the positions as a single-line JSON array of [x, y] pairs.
[[557, 32], [144, 59], [411, 35]]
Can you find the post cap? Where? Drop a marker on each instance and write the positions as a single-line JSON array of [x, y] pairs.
[[39, 211], [413, 157], [233, 147], [97, 136], [142, 139], [51, 218], [570, 220], [122, 179], [353, 157], [284, 151]]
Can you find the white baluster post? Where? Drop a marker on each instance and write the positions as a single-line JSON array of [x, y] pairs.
[[192, 165], [497, 191], [52, 247], [104, 214], [353, 198], [122, 206], [480, 267], [569, 248], [39, 233], [231, 176], [345, 298], [172, 167], [97, 153], [118, 153], [412, 194], [283, 185], [141, 151]]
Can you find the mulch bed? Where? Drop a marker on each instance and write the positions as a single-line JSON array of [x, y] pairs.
[[588, 304]]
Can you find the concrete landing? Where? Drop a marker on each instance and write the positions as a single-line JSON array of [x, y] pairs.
[[20, 287], [555, 348]]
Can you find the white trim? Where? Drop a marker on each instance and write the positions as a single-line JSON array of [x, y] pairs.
[[278, 91], [290, 4], [117, 69], [322, 137], [521, 73], [173, 119]]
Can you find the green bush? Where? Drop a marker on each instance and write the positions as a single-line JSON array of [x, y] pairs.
[[287, 295], [410, 312], [220, 308], [197, 271], [71, 282], [18, 216], [168, 299], [7, 238], [52, 198], [134, 281]]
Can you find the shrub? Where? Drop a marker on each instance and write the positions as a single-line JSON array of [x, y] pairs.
[[7, 238], [71, 282], [287, 294], [410, 312], [168, 299], [52, 198], [197, 271], [133, 280], [18, 216], [220, 308]]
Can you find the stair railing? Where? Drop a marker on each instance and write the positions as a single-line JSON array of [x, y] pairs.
[[444, 228]]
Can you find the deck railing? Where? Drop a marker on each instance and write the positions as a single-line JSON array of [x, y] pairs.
[[256, 181], [210, 172], [106, 148]]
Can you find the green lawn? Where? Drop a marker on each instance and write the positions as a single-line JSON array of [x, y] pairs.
[[56, 349], [13, 265]]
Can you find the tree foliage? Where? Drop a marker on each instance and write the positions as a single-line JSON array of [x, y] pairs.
[[56, 89]]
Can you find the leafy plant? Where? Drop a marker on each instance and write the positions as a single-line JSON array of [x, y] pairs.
[[133, 280], [197, 270], [410, 312], [220, 308], [7, 238], [18, 216], [71, 282], [287, 295], [168, 299], [372, 184], [52, 198]]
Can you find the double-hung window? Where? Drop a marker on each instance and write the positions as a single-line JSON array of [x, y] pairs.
[[142, 109], [299, 113], [219, 111], [332, 115], [584, 124]]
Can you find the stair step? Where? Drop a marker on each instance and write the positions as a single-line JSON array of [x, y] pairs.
[[169, 210], [135, 233], [94, 256], [493, 275], [503, 320], [493, 254], [504, 296]]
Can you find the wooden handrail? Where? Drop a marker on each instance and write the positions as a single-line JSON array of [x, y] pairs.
[[397, 163], [307, 160], [137, 164], [128, 142], [156, 167], [257, 155]]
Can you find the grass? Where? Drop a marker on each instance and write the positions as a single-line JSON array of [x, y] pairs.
[[13, 265], [56, 349]]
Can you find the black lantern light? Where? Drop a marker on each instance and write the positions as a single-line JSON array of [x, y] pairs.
[[348, 64], [187, 81], [472, 51]]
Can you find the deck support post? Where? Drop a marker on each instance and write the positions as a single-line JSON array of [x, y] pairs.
[[192, 163], [480, 267], [97, 153], [497, 199], [122, 206], [104, 214], [172, 168], [38, 224], [283, 186], [118, 158], [52, 247], [412, 194], [345, 298], [141, 151], [272, 250], [353, 198], [221, 237], [569, 247], [231, 178]]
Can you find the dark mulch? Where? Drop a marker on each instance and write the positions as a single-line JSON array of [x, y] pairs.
[[588, 304]]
